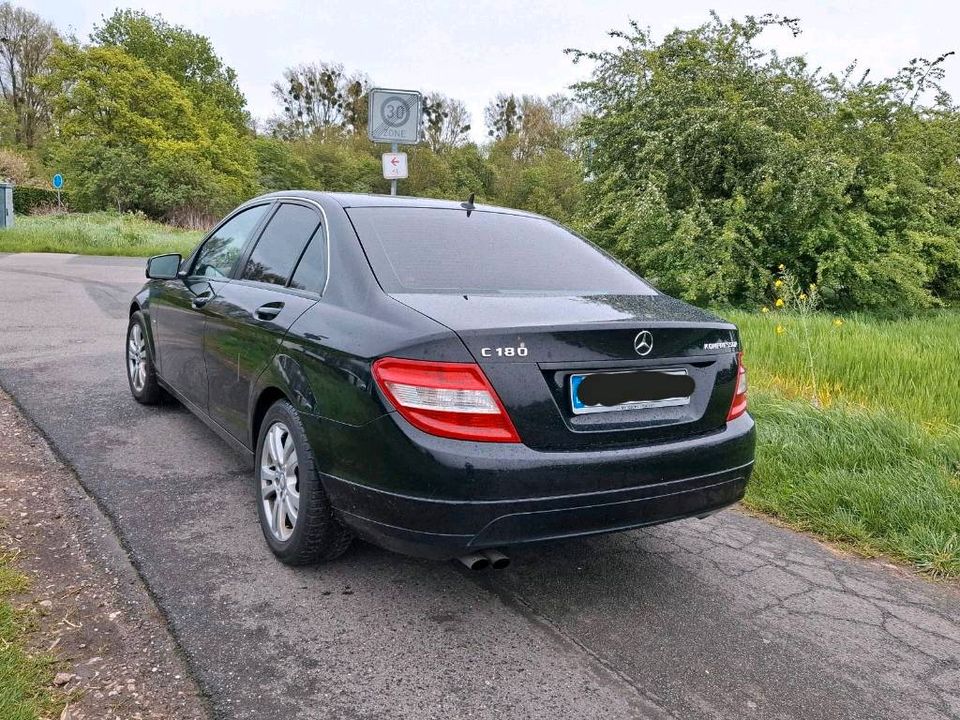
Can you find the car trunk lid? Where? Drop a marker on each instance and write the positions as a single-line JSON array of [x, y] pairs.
[[532, 349]]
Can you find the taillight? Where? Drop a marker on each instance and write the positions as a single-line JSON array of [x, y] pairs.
[[453, 400], [739, 405]]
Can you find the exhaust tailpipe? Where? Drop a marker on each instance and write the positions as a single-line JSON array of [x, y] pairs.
[[475, 561], [498, 561]]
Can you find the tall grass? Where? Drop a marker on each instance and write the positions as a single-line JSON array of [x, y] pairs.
[[101, 233], [909, 366], [873, 458]]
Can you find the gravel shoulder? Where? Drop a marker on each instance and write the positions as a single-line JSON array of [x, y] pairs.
[[89, 609]]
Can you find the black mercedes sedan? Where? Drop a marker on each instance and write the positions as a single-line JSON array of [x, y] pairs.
[[444, 379]]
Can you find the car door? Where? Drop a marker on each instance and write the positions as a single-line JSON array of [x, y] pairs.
[[250, 315], [178, 307]]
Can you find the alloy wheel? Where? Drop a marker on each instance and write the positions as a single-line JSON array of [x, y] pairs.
[[137, 358], [280, 481]]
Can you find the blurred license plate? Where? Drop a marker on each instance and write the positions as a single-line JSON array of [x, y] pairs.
[[629, 390]]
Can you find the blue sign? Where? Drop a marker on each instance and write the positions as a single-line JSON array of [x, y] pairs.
[[58, 181]]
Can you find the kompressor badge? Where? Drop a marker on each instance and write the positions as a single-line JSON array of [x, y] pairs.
[[723, 345]]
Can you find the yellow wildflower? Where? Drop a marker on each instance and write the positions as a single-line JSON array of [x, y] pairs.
[[781, 329], [778, 283], [779, 302], [782, 267], [764, 309], [813, 286], [838, 322], [803, 297]]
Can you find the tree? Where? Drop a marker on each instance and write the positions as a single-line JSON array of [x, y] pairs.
[[540, 124], [550, 183], [503, 116], [14, 167], [347, 163], [9, 123], [188, 58], [320, 99], [279, 167], [533, 159], [446, 122], [713, 161], [132, 138], [26, 42], [546, 124]]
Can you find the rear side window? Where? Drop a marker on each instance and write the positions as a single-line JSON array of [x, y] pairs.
[[221, 250], [311, 272], [431, 250], [281, 244]]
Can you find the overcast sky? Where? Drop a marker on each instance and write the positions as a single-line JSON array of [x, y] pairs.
[[472, 50]]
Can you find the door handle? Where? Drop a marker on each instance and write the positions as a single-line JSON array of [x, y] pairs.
[[268, 311], [202, 299]]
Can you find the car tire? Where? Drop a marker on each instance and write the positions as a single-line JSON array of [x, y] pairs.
[[141, 374], [315, 533]]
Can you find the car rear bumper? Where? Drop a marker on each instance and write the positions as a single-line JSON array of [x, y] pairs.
[[427, 496]]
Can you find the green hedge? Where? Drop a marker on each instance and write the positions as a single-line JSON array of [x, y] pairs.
[[25, 199]]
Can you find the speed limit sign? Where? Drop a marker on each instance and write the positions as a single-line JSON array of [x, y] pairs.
[[394, 116]]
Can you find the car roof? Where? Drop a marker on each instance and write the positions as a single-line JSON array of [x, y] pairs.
[[353, 200]]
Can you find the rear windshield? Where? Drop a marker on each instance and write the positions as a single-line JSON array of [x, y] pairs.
[[433, 250]]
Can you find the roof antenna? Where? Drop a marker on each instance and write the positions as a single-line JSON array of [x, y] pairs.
[[468, 205]]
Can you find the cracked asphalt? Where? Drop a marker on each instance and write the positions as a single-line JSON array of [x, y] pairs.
[[730, 617]]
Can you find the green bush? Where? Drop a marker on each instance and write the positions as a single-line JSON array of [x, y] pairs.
[[154, 151], [26, 198], [712, 161]]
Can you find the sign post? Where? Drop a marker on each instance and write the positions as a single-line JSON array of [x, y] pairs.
[[57, 183], [394, 117], [393, 180]]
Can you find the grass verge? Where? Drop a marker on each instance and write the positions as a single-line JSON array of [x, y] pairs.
[[875, 481], [24, 677], [100, 233], [872, 458]]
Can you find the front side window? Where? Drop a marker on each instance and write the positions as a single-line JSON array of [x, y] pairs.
[[281, 244], [433, 250], [221, 250]]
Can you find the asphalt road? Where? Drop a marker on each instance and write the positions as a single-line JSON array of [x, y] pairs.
[[730, 617]]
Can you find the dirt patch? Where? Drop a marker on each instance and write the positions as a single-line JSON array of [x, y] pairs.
[[115, 657]]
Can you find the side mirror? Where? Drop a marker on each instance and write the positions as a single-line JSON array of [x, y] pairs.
[[164, 267]]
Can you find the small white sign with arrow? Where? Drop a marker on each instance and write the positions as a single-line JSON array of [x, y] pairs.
[[394, 165]]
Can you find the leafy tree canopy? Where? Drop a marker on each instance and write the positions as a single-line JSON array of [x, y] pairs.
[[188, 58], [700, 159], [712, 161], [445, 122], [130, 137]]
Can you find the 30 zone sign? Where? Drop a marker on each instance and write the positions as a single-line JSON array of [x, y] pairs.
[[394, 116]]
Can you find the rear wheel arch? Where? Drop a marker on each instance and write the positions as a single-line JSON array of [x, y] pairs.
[[268, 396], [282, 379]]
